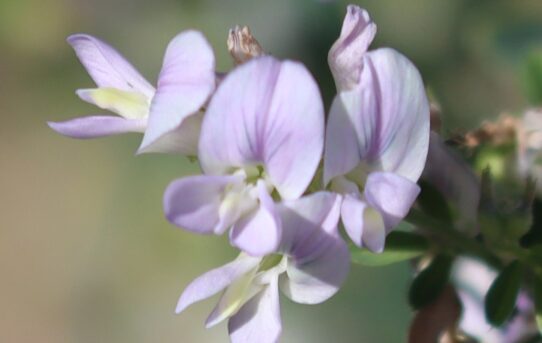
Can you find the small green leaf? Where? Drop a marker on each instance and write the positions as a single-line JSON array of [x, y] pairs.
[[538, 302], [433, 203], [501, 297], [430, 282], [400, 246], [534, 235]]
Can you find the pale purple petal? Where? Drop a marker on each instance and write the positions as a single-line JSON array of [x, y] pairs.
[[389, 111], [363, 224], [97, 126], [215, 280], [315, 281], [346, 55], [259, 319], [402, 124], [193, 202], [318, 259], [341, 149], [106, 66], [352, 210], [374, 230], [185, 83], [392, 195], [270, 113], [306, 220], [258, 233], [182, 140]]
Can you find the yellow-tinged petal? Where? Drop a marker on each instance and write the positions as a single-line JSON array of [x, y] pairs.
[[130, 105], [233, 298]]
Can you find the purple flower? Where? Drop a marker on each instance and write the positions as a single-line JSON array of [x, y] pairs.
[[377, 132], [169, 116], [309, 266], [262, 135]]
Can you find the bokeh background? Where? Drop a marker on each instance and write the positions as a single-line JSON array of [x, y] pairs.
[[85, 253]]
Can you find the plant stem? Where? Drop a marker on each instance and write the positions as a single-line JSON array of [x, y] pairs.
[[453, 237]]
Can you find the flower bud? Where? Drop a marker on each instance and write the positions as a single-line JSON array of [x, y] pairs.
[[345, 57]]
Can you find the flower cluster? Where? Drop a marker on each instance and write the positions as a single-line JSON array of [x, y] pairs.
[[275, 176]]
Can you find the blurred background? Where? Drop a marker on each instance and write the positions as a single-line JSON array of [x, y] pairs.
[[85, 253]]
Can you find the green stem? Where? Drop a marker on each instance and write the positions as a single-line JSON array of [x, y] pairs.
[[454, 238]]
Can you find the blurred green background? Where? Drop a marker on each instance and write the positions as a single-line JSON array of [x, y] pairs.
[[85, 253]]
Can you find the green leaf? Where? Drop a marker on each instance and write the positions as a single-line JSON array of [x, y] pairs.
[[430, 282], [534, 235], [433, 203], [400, 246], [538, 302], [501, 298]]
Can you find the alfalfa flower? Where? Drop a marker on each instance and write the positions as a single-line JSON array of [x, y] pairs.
[[169, 115], [309, 266], [377, 133], [262, 137]]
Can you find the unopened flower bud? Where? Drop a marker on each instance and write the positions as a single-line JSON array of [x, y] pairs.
[[345, 57]]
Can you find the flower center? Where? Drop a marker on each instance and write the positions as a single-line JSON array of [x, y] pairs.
[[241, 198]]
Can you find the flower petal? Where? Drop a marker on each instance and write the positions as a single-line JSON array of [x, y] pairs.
[[266, 112], [346, 55], [215, 280], [259, 233], [318, 259], [352, 210], [128, 104], [182, 140], [234, 297], [390, 115], [308, 220], [193, 202], [363, 224], [259, 319], [374, 230], [97, 126], [107, 67], [317, 280], [392, 195], [341, 150], [185, 83]]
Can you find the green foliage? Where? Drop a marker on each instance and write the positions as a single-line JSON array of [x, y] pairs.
[[501, 298], [534, 235], [430, 282], [532, 77], [400, 246], [433, 203]]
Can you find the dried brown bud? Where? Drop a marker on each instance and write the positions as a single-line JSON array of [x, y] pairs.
[[242, 44], [499, 132]]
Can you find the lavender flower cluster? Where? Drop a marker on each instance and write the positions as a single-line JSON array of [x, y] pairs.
[[275, 175]]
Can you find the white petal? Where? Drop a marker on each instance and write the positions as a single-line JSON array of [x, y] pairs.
[[259, 319], [258, 234], [215, 280]]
